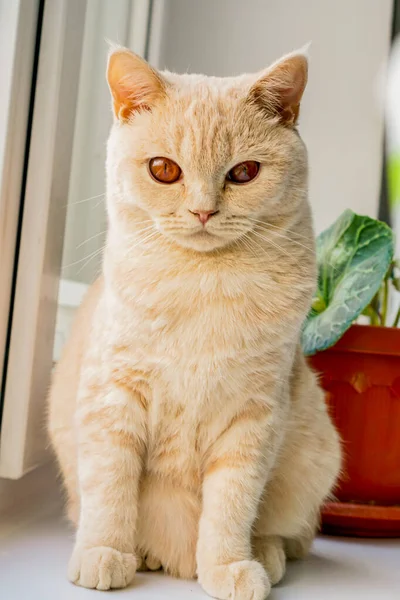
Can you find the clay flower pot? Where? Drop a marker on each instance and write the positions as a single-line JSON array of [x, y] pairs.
[[361, 375]]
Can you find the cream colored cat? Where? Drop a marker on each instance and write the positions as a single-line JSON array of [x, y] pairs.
[[190, 432]]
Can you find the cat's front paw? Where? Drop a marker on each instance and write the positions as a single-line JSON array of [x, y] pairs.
[[101, 568], [243, 580]]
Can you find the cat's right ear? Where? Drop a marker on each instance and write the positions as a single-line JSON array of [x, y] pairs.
[[134, 85], [279, 90]]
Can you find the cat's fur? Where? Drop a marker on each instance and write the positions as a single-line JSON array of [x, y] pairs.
[[190, 431]]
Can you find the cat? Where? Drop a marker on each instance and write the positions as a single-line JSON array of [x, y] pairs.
[[190, 431]]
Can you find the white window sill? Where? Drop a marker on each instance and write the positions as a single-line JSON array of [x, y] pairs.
[[34, 556]]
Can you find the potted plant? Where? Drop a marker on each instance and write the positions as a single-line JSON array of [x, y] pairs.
[[360, 371]]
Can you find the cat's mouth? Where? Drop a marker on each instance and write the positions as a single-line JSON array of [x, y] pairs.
[[202, 240], [202, 234]]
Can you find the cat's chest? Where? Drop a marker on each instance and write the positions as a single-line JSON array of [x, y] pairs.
[[172, 449], [207, 316], [198, 339], [197, 345], [181, 430]]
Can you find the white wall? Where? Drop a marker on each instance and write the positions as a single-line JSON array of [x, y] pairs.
[[340, 121]]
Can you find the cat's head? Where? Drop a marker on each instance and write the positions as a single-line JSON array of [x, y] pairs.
[[205, 158]]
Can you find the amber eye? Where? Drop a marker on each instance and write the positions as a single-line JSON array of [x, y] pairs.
[[164, 170], [244, 172]]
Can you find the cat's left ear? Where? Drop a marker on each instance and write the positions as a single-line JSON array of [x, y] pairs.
[[279, 89], [133, 83]]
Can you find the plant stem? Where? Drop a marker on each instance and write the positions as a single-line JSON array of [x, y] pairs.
[[397, 319], [385, 301], [374, 316]]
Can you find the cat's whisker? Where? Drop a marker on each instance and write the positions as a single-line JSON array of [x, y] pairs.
[[266, 224], [276, 234], [247, 245], [97, 204], [77, 262], [145, 239], [87, 258], [277, 246], [154, 235], [176, 230], [263, 225], [253, 241], [229, 227], [90, 258], [260, 246], [144, 229], [264, 250], [145, 221], [85, 200], [96, 235]]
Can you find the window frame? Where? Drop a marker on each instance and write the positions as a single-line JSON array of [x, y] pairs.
[[23, 442], [39, 246], [18, 33]]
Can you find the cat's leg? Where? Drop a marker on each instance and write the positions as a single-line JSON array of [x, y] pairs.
[[235, 476], [299, 547], [305, 472], [270, 552], [273, 550], [111, 428], [63, 441]]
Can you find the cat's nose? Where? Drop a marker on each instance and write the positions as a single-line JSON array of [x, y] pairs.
[[203, 215]]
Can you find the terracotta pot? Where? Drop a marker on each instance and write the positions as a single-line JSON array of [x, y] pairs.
[[361, 375]]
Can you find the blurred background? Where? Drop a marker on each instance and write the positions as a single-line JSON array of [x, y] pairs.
[[54, 121]]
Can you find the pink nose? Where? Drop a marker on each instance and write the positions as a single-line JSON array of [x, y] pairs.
[[204, 215]]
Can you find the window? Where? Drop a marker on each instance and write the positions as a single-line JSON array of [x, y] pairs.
[[54, 55]]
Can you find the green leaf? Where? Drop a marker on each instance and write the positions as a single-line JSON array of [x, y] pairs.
[[353, 257]]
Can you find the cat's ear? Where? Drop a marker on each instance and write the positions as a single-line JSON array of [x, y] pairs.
[[134, 85], [279, 89]]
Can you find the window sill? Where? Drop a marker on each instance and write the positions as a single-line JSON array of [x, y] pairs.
[[34, 556]]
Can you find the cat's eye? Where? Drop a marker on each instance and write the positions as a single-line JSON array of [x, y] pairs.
[[164, 170], [244, 172]]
